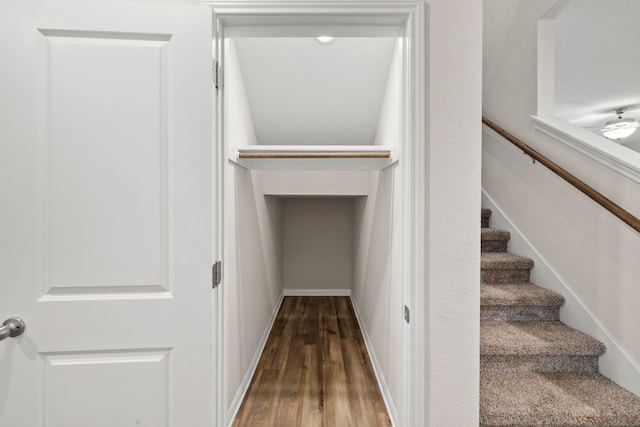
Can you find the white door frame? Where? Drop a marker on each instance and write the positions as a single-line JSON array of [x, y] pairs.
[[407, 19]]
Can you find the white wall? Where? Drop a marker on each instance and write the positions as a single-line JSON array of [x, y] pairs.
[[595, 71], [239, 122], [593, 253], [377, 289], [452, 294], [252, 285], [388, 132], [302, 92], [317, 244]]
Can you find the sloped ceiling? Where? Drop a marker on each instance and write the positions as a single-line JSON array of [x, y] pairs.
[[301, 92], [598, 63]]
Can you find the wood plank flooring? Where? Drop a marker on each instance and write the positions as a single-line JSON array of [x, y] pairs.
[[314, 370]]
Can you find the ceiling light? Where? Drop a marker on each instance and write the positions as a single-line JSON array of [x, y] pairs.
[[620, 128], [325, 39]]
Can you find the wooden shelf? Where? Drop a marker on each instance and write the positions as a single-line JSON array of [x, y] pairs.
[[314, 157]]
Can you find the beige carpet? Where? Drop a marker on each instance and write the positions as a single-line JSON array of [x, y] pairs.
[[535, 370]]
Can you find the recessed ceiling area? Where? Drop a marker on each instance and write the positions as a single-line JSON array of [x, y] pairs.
[[303, 92], [598, 63]]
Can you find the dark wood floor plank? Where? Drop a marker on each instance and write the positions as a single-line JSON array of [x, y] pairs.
[[337, 410], [291, 386], [311, 397], [314, 371]]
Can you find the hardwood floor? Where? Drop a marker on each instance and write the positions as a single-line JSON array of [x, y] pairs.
[[314, 371]]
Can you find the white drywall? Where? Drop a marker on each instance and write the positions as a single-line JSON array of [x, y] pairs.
[[453, 150], [302, 92], [593, 253], [377, 289], [596, 68], [314, 182], [388, 131], [240, 131], [317, 243], [252, 284]]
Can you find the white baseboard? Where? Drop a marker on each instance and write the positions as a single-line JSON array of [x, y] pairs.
[[615, 364], [382, 384], [244, 385], [317, 292]]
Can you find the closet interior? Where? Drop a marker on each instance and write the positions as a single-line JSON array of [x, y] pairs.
[[313, 191]]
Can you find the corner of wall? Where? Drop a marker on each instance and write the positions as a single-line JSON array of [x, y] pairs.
[[234, 407], [377, 369]]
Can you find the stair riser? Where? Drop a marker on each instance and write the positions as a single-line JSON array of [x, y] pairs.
[[520, 313], [493, 246], [505, 275], [484, 222], [551, 363]]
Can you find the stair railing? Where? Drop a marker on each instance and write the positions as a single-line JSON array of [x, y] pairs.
[[589, 191]]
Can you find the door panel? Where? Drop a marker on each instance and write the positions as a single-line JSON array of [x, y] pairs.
[[105, 161], [125, 376], [106, 167]]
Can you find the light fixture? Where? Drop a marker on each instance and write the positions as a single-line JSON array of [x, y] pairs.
[[325, 39], [620, 128]]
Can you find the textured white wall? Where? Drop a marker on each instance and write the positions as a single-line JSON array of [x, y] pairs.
[[253, 248], [452, 297], [317, 243], [594, 253]]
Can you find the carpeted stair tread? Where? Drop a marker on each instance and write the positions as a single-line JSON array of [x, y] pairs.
[[484, 217], [504, 261], [534, 370], [488, 233], [493, 239], [535, 338], [555, 399], [518, 294]]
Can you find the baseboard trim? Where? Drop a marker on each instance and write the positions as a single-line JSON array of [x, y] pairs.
[[244, 385], [317, 292], [616, 363], [382, 384]]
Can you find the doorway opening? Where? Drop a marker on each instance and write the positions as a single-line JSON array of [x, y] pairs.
[[322, 161]]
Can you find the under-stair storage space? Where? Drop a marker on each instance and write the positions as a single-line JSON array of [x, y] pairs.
[[313, 199], [317, 246], [294, 103], [311, 233]]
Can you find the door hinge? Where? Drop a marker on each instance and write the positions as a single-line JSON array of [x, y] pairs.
[[407, 314], [216, 69], [216, 275]]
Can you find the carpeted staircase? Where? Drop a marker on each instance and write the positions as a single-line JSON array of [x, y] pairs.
[[534, 370]]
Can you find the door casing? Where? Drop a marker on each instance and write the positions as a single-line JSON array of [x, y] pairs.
[[367, 18]]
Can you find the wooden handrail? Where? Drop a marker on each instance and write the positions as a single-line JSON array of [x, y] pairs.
[[589, 191]]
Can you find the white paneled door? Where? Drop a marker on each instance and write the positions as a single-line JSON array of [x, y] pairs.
[[106, 214]]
